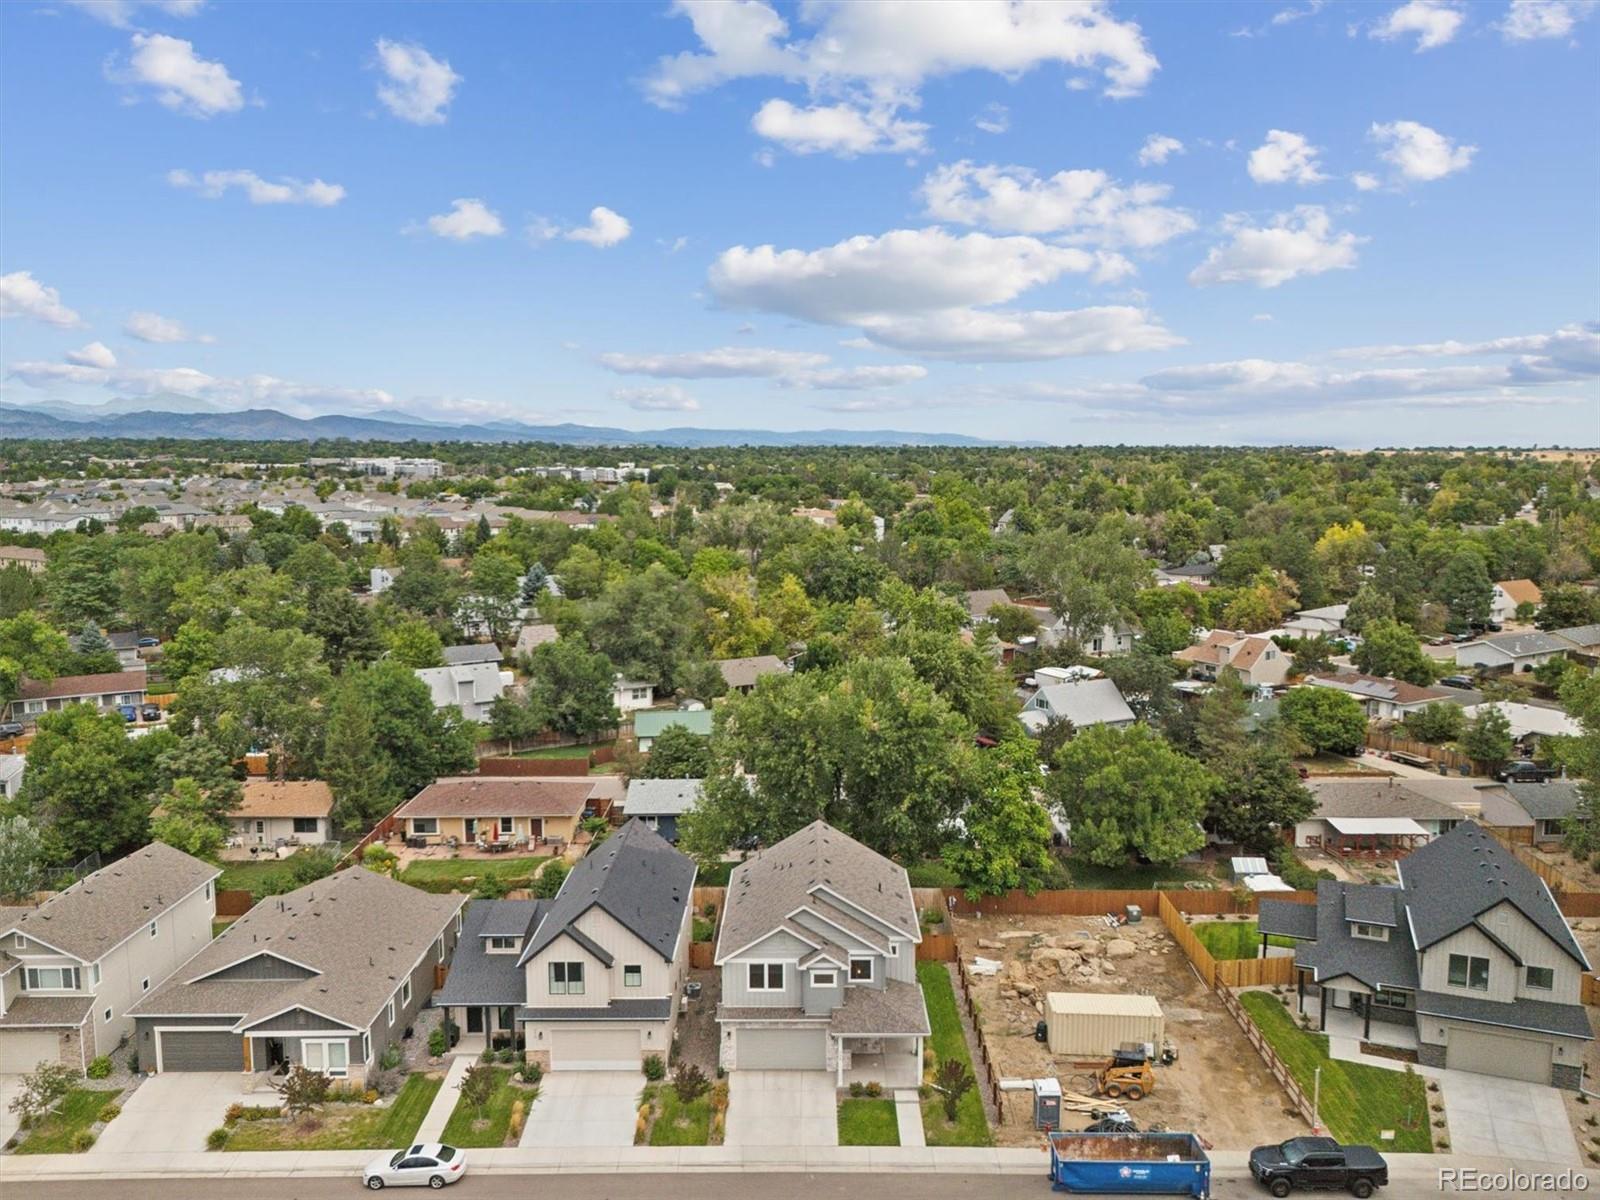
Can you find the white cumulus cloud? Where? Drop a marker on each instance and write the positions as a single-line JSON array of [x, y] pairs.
[[1417, 153], [1434, 22], [605, 228], [21, 295], [418, 87], [1296, 243], [665, 398], [1088, 206], [467, 219], [1285, 158], [283, 190], [1157, 148], [153, 327], [841, 129], [119, 14], [95, 354], [995, 118], [1532, 20], [1365, 181], [181, 80]]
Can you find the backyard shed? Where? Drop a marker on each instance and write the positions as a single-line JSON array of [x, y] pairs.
[[1093, 1024]]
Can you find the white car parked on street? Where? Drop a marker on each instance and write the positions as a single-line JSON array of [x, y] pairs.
[[427, 1164]]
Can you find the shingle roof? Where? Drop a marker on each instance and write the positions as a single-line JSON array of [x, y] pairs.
[[1583, 636], [65, 686], [649, 723], [477, 977], [499, 796], [1455, 878], [535, 635], [1519, 645], [103, 908], [361, 932], [285, 798], [798, 873], [618, 1010], [1544, 1016], [636, 878], [743, 672], [1379, 798], [1521, 591], [474, 652], [1288, 917], [35, 1012], [896, 1008], [1552, 800], [1390, 964], [1087, 702], [981, 600], [661, 797], [1379, 687]]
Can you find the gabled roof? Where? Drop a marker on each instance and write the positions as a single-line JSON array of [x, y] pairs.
[[1582, 636], [1521, 591], [1521, 645], [743, 672], [102, 909], [66, 686], [820, 869], [1379, 798], [1087, 702], [499, 796], [661, 797], [360, 932], [1390, 964], [1552, 800], [636, 878], [981, 600], [473, 652], [1380, 687], [284, 798]]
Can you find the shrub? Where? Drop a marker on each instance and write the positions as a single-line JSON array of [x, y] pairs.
[[477, 1085], [379, 859], [370, 1096], [955, 1081], [216, 1139], [856, 1090], [437, 1043], [42, 1088], [110, 1113], [133, 1062], [550, 879], [235, 1111], [532, 1072], [874, 1089], [654, 1069], [303, 1090], [704, 929], [519, 1113], [99, 1068], [391, 1058], [690, 1082], [82, 1140]]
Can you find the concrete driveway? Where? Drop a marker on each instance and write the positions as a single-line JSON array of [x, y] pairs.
[[1507, 1118], [782, 1108], [176, 1111], [584, 1108], [10, 1085]]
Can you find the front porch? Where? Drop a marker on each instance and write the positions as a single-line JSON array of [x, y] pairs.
[[484, 1027], [894, 1062], [1385, 1017]]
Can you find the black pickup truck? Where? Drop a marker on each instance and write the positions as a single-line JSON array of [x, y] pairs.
[[1318, 1163]]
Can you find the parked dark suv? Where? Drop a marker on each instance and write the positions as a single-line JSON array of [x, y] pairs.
[[10, 729], [1524, 771]]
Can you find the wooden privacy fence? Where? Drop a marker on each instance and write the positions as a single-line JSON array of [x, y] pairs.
[[700, 897], [234, 902], [533, 766], [1205, 966], [1590, 991], [702, 955], [1073, 903], [377, 834], [1551, 874], [937, 947], [989, 1077], [1273, 971], [1384, 740], [1280, 1072]]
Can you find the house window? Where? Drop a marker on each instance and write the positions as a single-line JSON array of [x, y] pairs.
[[505, 827], [1469, 971], [390, 1010], [458, 921], [152, 929], [424, 825], [208, 891], [366, 1047], [824, 979], [19, 941], [1386, 999], [51, 979], [766, 977], [633, 975], [894, 949], [566, 979], [861, 970], [502, 944], [438, 947], [305, 824], [1372, 933], [94, 974], [1542, 978], [261, 826], [331, 1058], [144, 985], [405, 992], [108, 1014]]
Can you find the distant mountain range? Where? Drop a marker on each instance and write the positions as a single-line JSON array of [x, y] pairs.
[[174, 416]]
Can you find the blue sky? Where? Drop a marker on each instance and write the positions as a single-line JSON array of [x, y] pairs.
[[1334, 223]]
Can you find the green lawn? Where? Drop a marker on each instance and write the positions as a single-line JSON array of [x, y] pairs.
[[79, 1109], [715, 875], [559, 751], [680, 1124], [864, 1122], [254, 875], [467, 1130], [446, 869], [1357, 1101], [1235, 939], [971, 1127], [346, 1126]]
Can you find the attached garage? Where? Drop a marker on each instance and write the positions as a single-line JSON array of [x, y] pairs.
[[21, 1050], [781, 1050], [1497, 1054], [199, 1050], [595, 1049]]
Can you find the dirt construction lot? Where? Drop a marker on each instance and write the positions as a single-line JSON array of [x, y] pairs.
[[1218, 1088]]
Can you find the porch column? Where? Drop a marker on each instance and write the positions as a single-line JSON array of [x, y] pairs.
[[1323, 1016], [1366, 1018], [1300, 991], [1263, 953], [838, 1057], [919, 1060]]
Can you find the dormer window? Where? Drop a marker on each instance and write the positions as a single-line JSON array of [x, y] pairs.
[[1372, 933], [502, 945]]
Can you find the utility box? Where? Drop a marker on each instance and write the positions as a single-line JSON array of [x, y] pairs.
[[1094, 1024], [1134, 913], [1047, 1104]]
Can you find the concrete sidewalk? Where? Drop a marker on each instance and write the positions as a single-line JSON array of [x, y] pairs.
[[908, 1112], [444, 1103]]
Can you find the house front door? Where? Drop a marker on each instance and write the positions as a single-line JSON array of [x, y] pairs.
[[469, 828], [475, 1020]]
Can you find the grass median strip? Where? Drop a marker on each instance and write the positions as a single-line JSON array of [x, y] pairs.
[[868, 1123], [971, 1127], [1358, 1102]]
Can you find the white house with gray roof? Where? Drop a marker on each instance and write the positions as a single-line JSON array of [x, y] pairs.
[[818, 956], [1468, 961], [658, 803], [1084, 702], [590, 979], [71, 969], [326, 976], [1513, 652]]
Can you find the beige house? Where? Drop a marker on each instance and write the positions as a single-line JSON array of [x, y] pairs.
[[25, 557], [1254, 661], [1511, 594], [290, 812], [474, 809], [587, 981], [117, 689], [71, 969]]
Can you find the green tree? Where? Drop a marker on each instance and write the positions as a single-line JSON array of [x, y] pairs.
[[191, 651], [1312, 654], [1465, 588], [92, 654], [1392, 649], [355, 769], [639, 622], [678, 753], [1325, 719], [88, 785], [495, 594], [574, 685], [1012, 623], [185, 822], [551, 877], [1005, 834], [82, 583], [19, 590], [1580, 696], [1127, 793], [414, 644], [29, 648], [1367, 605], [1566, 605], [1436, 723], [345, 626], [1486, 739], [22, 859], [1091, 580]]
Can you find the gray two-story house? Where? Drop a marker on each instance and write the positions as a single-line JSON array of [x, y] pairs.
[[1468, 960], [818, 957], [326, 976], [72, 968], [590, 979]]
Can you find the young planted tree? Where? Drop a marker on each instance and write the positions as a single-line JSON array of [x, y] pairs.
[[477, 1086], [303, 1090], [954, 1080]]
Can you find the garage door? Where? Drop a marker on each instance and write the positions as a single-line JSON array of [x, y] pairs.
[[23, 1050], [594, 1050], [1494, 1054], [781, 1050], [201, 1050]]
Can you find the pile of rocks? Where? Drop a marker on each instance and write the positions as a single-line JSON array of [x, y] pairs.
[[1061, 962]]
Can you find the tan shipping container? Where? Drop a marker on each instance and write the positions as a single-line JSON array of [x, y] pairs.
[[1093, 1024]]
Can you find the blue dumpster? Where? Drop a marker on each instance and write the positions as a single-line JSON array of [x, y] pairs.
[[1145, 1164]]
